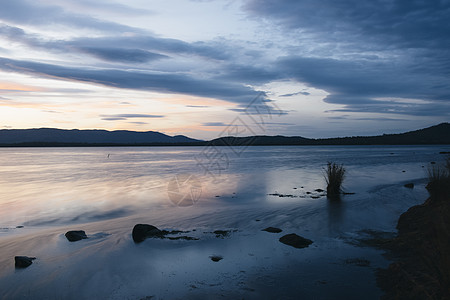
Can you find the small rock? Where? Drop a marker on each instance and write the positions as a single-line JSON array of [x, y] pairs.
[[216, 258], [19, 226], [433, 162], [221, 233], [319, 190], [143, 231], [409, 185], [272, 230], [75, 235], [295, 241], [403, 171], [23, 261]]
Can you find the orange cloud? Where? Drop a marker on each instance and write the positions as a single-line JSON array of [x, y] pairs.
[[17, 87]]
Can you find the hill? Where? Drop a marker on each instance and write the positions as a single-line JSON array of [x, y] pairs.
[[438, 134], [74, 137]]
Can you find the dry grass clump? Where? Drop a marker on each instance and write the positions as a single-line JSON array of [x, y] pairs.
[[439, 179], [334, 176]]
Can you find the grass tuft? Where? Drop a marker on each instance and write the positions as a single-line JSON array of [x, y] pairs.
[[439, 179], [334, 176]]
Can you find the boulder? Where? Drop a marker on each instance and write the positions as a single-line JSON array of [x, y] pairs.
[[75, 235], [216, 258], [295, 241], [22, 262], [143, 231], [272, 230]]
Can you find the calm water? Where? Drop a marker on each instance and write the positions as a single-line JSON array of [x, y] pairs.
[[106, 191], [61, 185]]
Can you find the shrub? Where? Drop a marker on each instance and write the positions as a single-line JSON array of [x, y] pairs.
[[439, 179], [334, 176]]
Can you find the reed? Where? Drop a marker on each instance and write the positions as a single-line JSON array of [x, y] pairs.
[[334, 176]]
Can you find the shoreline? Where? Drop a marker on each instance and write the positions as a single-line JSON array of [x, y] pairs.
[[421, 264]]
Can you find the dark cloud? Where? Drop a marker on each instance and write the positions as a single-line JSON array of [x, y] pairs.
[[218, 124], [374, 50], [122, 55], [158, 82], [295, 94], [376, 23], [137, 48], [138, 123], [36, 13], [134, 116]]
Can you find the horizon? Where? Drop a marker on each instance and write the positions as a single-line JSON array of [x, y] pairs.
[[315, 69], [205, 140]]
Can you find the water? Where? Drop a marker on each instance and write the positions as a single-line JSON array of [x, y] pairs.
[[105, 191]]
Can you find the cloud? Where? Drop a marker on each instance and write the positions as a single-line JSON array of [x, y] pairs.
[[214, 124], [36, 13], [374, 24], [120, 117], [129, 79], [363, 51], [122, 55], [295, 94], [198, 106]]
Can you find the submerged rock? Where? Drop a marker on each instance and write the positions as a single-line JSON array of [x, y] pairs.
[[272, 230], [295, 241], [76, 235], [216, 258], [23, 261], [143, 231]]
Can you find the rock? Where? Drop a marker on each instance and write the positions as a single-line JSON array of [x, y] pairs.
[[216, 258], [23, 261], [19, 226], [272, 230], [295, 241], [143, 231], [433, 162], [75, 235], [409, 185], [319, 190]]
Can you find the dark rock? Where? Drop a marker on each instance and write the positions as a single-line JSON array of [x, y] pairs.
[[295, 241], [182, 237], [403, 171], [222, 233], [216, 258], [143, 231], [23, 261], [319, 190], [19, 226], [75, 235], [433, 162], [409, 185], [272, 230]]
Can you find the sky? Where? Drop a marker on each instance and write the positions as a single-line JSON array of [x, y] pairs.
[[312, 68]]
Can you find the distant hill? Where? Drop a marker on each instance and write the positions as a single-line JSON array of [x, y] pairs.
[[438, 134], [62, 137]]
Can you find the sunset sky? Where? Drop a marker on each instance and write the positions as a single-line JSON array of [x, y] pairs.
[[330, 68]]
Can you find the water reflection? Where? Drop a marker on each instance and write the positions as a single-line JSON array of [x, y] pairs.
[[335, 212]]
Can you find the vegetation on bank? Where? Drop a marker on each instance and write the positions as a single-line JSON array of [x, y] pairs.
[[439, 180]]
